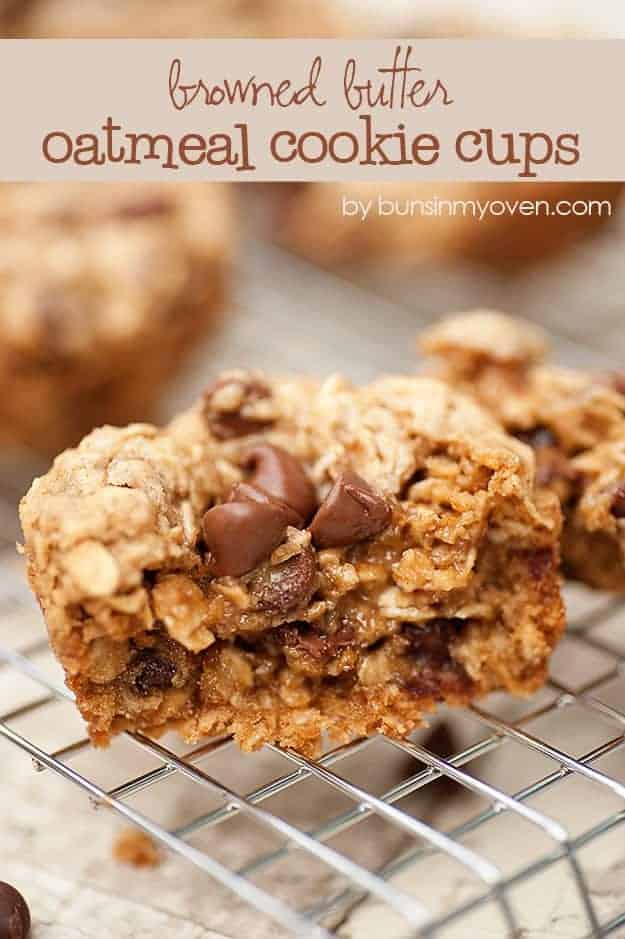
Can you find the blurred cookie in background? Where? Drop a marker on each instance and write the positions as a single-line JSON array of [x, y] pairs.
[[310, 217], [410, 223], [192, 19], [11, 17], [104, 290]]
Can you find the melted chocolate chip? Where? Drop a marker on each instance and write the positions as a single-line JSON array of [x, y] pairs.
[[286, 586], [240, 535], [318, 645], [437, 674], [283, 477], [150, 672], [351, 512], [227, 422], [245, 492], [617, 506], [14, 913], [433, 640]]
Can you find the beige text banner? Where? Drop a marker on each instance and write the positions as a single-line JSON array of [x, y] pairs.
[[253, 110]]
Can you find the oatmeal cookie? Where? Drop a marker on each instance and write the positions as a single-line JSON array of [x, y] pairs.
[[105, 288], [291, 557], [574, 420]]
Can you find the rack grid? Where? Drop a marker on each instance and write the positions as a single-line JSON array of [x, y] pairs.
[[428, 766]]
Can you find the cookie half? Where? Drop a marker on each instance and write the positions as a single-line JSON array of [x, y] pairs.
[[290, 558]]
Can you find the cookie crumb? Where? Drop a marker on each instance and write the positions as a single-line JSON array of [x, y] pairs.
[[136, 848]]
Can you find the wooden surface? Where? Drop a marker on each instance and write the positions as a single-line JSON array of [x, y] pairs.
[[57, 849]]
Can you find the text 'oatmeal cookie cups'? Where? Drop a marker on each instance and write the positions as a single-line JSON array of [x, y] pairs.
[[291, 558], [106, 288], [573, 419]]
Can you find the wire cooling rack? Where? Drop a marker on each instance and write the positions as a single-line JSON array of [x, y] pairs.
[[424, 767], [550, 803]]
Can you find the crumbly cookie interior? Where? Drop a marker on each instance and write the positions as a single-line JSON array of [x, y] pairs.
[[574, 421]]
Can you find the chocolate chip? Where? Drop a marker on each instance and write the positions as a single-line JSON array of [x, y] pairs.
[[437, 673], [14, 913], [434, 639], [150, 672], [318, 645], [239, 535], [283, 477], [618, 502], [351, 512], [245, 492], [285, 586], [227, 403]]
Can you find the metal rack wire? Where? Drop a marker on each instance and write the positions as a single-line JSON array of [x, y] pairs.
[[495, 726], [494, 886]]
